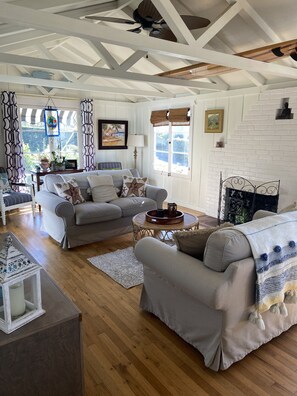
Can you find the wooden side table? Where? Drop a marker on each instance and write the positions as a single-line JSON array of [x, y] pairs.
[[163, 232], [44, 357]]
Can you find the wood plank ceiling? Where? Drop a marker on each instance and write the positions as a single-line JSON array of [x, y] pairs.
[[51, 49]]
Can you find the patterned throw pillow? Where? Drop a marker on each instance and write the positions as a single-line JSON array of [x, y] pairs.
[[133, 186], [70, 191], [4, 183]]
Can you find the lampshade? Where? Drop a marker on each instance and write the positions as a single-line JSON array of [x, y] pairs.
[[136, 140]]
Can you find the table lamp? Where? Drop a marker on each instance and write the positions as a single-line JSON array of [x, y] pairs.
[[135, 141]]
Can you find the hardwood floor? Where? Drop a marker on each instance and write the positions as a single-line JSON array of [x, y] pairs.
[[130, 352]]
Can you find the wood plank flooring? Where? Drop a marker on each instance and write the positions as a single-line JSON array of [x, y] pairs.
[[130, 352]]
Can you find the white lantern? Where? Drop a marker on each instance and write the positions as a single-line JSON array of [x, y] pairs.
[[20, 290]]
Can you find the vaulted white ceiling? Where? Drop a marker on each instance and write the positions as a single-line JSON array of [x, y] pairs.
[[49, 48]]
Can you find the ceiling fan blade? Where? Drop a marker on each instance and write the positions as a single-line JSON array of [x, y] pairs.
[[163, 34], [135, 30], [110, 19], [195, 22], [146, 9]]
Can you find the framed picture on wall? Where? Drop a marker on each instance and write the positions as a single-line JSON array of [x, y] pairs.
[[51, 122], [113, 134], [214, 121]]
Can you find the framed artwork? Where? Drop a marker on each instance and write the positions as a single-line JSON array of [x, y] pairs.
[[70, 164], [113, 134], [214, 121], [51, 122]]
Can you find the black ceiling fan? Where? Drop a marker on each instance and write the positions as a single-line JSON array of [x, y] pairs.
[[147, 17]]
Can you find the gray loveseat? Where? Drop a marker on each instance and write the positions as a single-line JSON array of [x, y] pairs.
[[208, 302], [74, 225]]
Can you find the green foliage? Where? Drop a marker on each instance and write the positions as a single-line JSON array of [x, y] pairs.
[[30, 160]]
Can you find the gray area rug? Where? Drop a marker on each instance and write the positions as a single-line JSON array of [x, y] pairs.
[[121, 265]]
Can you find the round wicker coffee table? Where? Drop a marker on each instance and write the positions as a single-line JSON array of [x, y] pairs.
[[163, 232]]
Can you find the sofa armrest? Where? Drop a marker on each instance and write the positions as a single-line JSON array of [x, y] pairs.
[[55, 204], [262, 213], [158, 194], [213, 289]]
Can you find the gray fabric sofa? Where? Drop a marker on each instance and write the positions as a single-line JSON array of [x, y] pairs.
[[208, 302], [74, 225]]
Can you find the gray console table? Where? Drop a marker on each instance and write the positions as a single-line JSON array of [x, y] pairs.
[[44, 357]]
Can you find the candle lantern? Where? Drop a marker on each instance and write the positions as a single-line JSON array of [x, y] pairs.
[[20, 290]]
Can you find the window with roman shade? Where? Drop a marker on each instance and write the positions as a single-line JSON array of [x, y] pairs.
[[172, 147]]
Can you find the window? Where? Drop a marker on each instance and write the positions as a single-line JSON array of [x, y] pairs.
[[35, 142], [172, 144]]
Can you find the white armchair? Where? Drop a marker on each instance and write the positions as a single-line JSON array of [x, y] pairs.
[[10, 199]]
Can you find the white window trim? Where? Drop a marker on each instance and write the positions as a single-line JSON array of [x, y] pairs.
[[172, 174]]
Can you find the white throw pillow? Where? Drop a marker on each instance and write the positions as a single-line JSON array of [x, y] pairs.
[[102, 188]]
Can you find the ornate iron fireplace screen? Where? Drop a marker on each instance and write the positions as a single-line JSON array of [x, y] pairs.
[[239, 199]]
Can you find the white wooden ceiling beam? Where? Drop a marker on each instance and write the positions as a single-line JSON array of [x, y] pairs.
[[25, 72], [33, 37], [49, 55], [134, 58], [83, 29], [174, 21], [95, 71], [102, 52], [218, 24], [256, 78], [80, 87], [6, 29]]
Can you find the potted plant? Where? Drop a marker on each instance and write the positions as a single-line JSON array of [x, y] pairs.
[[58, 162]]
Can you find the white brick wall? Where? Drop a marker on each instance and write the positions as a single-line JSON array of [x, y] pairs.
[[260, 149]]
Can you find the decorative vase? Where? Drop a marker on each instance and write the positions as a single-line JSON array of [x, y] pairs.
[[44, 165]]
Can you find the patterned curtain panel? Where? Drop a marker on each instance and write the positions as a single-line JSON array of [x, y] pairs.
[[86, 107], [12, 139]]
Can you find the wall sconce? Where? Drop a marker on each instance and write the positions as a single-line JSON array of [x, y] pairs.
[[135, 141], [20, 288]]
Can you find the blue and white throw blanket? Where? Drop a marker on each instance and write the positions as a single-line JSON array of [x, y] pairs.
[[273, 242]]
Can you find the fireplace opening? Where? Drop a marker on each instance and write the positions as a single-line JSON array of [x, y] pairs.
[[240, 198]]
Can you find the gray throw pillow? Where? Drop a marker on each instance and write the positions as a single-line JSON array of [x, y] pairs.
[[193, 242], [4, 183]]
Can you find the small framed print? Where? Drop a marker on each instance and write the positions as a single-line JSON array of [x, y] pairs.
[[51, 122], [113, 134], [214, 121], [70, 164]]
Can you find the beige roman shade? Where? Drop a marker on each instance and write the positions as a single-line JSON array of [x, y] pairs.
[[159, 117], [179, 116]]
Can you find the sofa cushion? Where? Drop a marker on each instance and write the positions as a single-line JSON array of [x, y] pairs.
[[133, 186], [131, 206], [194, 242], [50, 180], [93, 212], [224, 247], [70, 191], [82, 181], [102, 188], [117, 176]]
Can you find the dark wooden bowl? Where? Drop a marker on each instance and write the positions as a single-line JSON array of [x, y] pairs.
[[153, 216]]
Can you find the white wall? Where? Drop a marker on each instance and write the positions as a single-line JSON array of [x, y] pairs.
[[260, 149], [115, 111], [192, 192]]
